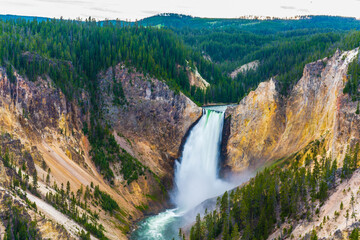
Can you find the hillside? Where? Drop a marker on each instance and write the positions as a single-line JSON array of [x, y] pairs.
[[253, 23], [93, 116], [215, 47], [281, 46]]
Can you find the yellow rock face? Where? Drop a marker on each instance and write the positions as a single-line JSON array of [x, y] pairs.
[[266, 126]]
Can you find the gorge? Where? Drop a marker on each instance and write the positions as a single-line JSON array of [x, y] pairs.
[[103, 127]]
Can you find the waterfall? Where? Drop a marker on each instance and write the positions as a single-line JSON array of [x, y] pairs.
[[196, 173], [196, 177]]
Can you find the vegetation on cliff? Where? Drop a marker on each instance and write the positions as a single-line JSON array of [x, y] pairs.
[[352, 85], [19, 225], [105, 150], [288, 192], [71, 204], [77, 206]]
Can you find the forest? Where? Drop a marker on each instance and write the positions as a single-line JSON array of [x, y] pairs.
[[73, 52], [281, 54], [283, 47]]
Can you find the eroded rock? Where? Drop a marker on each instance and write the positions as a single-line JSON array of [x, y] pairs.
[[266, 126]]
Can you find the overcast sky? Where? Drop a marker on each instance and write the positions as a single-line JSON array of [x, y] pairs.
[[138, 9]]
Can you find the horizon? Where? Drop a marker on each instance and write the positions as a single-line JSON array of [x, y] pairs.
[[139, 9], [250, 17]]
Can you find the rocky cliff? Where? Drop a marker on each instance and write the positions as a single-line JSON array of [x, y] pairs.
[[154, 118], [42, 132], [266, 126]]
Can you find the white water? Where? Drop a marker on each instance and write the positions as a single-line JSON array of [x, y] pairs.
[[196, 178]]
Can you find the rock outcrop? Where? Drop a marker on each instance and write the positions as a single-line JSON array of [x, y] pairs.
[[244, 68], [195, 79], [153, 121], [266, 126]]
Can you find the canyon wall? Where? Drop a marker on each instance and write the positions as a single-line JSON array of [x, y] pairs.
[[266, 126], [155, 119], [42, 130]]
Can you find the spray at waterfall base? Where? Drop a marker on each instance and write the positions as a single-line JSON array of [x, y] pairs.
[[197, 181]]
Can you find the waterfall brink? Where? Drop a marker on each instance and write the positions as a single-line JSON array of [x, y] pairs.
[[196, 178], [196, 173]]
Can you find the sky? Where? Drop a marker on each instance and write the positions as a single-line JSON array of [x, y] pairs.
[[138, 9]]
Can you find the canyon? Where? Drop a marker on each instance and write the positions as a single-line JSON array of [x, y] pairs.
[[44, 130]]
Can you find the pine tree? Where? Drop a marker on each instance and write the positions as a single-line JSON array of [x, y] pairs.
[[35, 181], [354, 234], [322, 191], [355, 157], [313, 235], [48, 177], [68, 188], [197, 229], [333, 171], [235, 235]]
